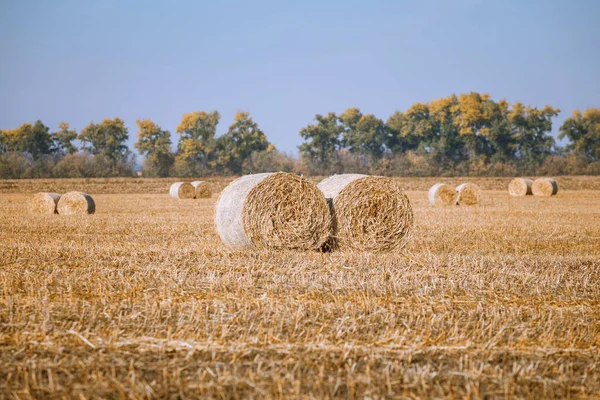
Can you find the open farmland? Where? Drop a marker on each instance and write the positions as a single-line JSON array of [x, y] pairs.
[[141, 300]]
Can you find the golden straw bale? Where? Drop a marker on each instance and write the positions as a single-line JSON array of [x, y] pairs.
[[544, 187], [442, 194], [201, 189], [520, 187], [182, 190], [76, 203], [469, 194], [370, 213], [273, 210], [44, 203]]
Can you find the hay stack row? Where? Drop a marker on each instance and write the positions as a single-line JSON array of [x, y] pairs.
[[190, 190], [285, 211], [68, 204], [544, 187], [466, 194]]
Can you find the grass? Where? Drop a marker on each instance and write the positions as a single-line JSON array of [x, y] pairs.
[[140, 300]]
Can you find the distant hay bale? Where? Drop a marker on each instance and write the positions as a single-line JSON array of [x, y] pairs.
[[76, 203], [544, 187], [442, 194], [275, 210], [370, 213], [182, 190], [520, 187], [44, 203], [201, 189], [469, 194]]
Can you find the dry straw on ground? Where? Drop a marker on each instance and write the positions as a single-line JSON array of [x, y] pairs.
[[44, 203], [202, 189], [544, 187], [370, 213], [76, 203], [442, 194], [144, 302], [276, 210], [469, 194], [182, 190], [520, 187]]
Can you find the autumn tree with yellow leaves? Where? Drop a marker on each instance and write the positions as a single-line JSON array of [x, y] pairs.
[[583, 130], [154, 143], [243, 138], [196, 149]]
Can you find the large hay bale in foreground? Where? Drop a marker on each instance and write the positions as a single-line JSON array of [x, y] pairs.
[[44, 203], [276, 210], [76, 203], [544, 187], [520, 187], [469, 194], [442, 194], [182, 190], [370, 213], [201, 189]]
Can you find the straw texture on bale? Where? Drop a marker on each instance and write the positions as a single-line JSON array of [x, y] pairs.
[[44, 203], [275, 210], [469, 194], [369, 213], [520, 187], [76, 203], [544, 187], [201, 189], [442, 194], [182, 190]]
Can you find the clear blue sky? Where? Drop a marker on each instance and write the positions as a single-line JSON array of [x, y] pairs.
[[81, 61]]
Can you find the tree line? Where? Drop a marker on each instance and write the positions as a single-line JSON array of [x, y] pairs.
[[469, 134]]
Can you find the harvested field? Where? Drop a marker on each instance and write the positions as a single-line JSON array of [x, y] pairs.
[[146, 302]]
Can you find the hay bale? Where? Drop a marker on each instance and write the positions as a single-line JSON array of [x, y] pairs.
[[544, 187], [275, 210], [76, 203], [520, 187], [469, 194], [442, 194], [182, 190], [44, 203], [201, 189], [370, 213]]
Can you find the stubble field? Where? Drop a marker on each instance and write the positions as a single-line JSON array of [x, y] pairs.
[[141, 300]]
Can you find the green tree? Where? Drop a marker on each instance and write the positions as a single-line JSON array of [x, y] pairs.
[[197, 146], [364, 135], [154, 143], [530, 129], [322, 141], [63, 139], [34, 140], [243, 138], [583, 130], [107, 138]]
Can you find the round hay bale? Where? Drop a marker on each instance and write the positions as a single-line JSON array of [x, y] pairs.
[[275, 210], [182, 190], [544, 187], [201, 189], [44, 203], [469, 194], [76, 203], [370, 213], [520, 187], [442, 194]]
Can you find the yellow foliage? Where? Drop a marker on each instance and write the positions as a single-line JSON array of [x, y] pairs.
[[241, 116], [592, 114], [417, 110]]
